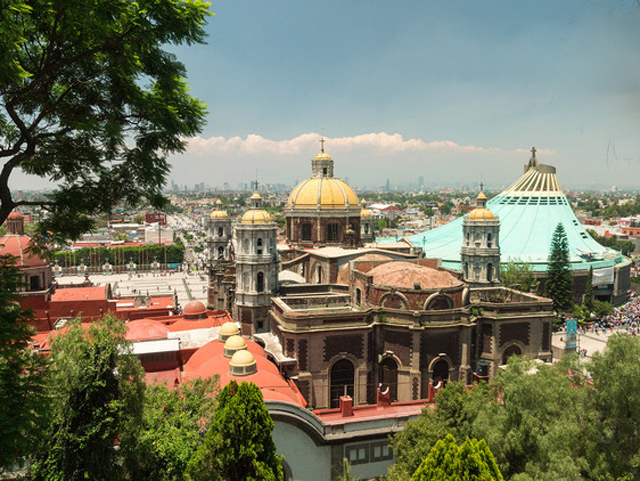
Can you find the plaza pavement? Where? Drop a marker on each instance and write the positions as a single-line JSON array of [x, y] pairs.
[[187, 286]]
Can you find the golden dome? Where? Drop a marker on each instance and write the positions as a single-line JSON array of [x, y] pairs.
[[481, 213], [233, 345], [219, 214], [235, 342], [255, 196], [365, 213], [256, 216], [322, 192], [481, 196], [242, 359], [322, 156], [218, 202], [227, 330]]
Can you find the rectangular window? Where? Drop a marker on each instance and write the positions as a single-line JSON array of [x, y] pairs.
[[358, 454], [332, 232], [380, 452], [306, 231]]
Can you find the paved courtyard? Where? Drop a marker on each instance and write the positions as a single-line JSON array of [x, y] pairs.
[[188, 286], [589, 342]]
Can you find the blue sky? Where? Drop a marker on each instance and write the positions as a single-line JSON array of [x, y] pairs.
[[449, 90]]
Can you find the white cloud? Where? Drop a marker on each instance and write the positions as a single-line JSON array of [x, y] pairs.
[[377, 143]]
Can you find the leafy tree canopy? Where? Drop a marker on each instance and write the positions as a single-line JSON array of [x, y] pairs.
[[22, 392], [518, 275], [91, 100], [96, 388], [173, 427]]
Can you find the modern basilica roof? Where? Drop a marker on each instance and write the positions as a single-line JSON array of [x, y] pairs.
[[529, 212]]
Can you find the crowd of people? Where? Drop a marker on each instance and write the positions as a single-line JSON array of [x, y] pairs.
[[625, 318]]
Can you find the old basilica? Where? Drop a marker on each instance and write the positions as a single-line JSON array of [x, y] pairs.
[[338, 317]]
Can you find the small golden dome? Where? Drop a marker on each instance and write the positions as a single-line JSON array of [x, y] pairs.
[[219, 214], [218, 202], [481, 196], [235, 342], [227, 330], [242, 359], [322, 156], [233, 345], [255, 196], [256, 216], [365, 213], [481, 213], [326, 193]]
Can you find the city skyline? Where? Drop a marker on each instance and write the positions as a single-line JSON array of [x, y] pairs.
[[454, 93]]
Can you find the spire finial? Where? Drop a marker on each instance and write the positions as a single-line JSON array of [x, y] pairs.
[[481, 187], [533, 152], [256, 182], [322, 141]]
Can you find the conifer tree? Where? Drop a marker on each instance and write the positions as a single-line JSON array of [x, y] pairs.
[[588, 291], [559, 280], [471, 461], [238, 445]]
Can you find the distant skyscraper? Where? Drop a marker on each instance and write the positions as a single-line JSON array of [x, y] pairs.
[[420, 182], [387, 187]]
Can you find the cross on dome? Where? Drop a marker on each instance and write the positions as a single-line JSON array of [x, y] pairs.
[[322, 141]]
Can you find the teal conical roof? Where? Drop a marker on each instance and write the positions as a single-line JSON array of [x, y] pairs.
[[529, 211]]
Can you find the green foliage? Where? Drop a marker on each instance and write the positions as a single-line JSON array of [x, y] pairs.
[[446, 461], [238, 444], [559, 279], [173, 427], [602, 308], [96, 388], [588, 291], [90, 99], [21, 374], [346, 472], [518, 275], [614, 441], [96, 257], [529, 419]]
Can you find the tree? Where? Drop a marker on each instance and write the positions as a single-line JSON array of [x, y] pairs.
[[91, 100], [96, 388], [173, 427], [518, 275], [615, 432], [238, 444], [471, 461], [22, 394], [588, 291], [559, 279]]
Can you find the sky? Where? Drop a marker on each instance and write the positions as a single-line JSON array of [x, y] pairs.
[[454, 91]]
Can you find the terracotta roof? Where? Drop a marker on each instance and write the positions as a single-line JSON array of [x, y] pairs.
[[17, 246], [194, 308], [15, 215], [80, 294], [343, 273], [406, 274], [145, 329]]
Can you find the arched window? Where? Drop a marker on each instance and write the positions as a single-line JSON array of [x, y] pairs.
[[342, 381], [510, 351], [319, 274], [466, 270], [489, 240], [245, 245], [439, 303], [389, 377], [259, 246], [440, 372], [490, 272], [220, 231], [468, 238], [260, 282], [220, 252], [366, 228], [358, 296]]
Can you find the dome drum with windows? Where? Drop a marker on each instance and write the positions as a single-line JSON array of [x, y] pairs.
[[322, 209]]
